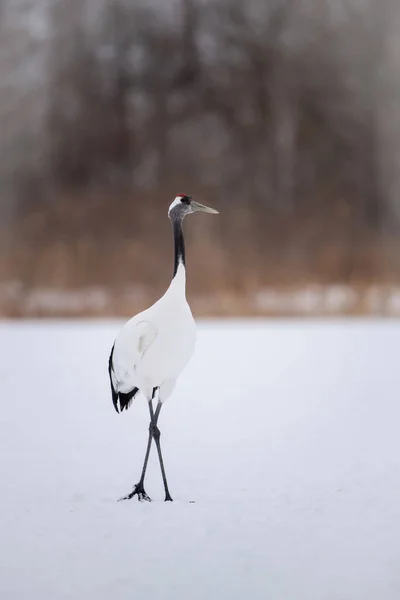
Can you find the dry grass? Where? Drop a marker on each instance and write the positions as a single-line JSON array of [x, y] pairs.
[[93, 256]]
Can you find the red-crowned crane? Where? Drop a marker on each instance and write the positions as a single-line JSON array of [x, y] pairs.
[[153, 348]]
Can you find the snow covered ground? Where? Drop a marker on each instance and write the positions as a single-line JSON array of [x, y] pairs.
[[284, 434]]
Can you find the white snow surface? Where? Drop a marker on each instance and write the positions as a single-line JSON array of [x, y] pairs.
[[285, 435]]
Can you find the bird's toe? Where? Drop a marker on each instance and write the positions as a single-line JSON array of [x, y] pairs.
[[143, 497], [138, 491]]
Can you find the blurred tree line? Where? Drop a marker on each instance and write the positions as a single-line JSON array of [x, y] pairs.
[[285, 114]]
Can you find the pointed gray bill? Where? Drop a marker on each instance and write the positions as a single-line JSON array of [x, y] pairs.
[[202, 208]]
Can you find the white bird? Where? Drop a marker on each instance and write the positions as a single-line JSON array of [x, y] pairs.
[[153, 347]]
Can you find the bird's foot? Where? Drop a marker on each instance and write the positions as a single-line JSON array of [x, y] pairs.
[[138, 490], [168, 497]]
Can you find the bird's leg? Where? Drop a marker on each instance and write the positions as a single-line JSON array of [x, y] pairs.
[[138, 489], [154, 432], [156, 435]]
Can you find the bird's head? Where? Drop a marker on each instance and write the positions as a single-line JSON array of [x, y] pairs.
[[184, 205]]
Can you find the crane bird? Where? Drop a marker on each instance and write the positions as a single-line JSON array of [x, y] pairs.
[[153, 347]]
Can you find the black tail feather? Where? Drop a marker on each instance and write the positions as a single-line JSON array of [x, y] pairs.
[[125, 400]]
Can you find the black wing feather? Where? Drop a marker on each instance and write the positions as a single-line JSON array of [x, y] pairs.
[[125, 400], [113, 390]]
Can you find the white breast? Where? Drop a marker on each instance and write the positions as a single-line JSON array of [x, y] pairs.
[[171, 351], [154, 347]]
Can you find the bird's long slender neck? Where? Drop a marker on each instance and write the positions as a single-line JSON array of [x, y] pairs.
[[179, 245]]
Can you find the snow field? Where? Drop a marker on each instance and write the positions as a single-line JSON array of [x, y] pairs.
[[285, 435]]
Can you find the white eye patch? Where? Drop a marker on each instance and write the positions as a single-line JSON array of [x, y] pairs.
[[178, 200]]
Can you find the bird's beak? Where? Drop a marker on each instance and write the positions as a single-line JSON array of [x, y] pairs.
[[200, 207]]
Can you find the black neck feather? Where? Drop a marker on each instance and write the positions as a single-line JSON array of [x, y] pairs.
[[179, 243]]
